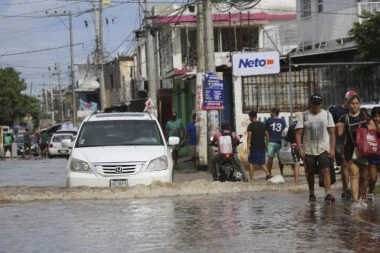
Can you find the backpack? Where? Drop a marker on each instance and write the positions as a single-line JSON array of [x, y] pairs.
[[226, 143]]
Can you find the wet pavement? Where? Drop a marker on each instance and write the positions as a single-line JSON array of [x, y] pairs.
[[193, 214]]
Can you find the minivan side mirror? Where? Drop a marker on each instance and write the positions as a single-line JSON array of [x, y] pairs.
[[67, 143], [173, 141]]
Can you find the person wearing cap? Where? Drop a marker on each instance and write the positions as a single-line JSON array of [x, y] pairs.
[[337, 112], [175, 127], [235, 141], [316, 129], [291, 137]]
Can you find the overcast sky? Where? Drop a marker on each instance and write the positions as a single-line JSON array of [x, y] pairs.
[[31, 42]]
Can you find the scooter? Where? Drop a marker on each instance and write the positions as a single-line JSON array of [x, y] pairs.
[[227, 169]]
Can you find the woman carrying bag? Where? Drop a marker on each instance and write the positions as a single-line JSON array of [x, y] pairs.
[[358, 166]]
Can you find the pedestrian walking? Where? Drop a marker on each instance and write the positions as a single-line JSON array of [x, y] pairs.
[[337, 112], [357, 166], [316, 129], [8, 140], [291, 138], [275, 126], [374, 161], [44, 143], [27, 143], [191, 135], [174, 127], [257, 145]]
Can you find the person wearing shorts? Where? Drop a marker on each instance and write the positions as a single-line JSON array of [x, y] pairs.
[[374, 161], [257, 145], [291, 138], [316, 129], [191, 134], [274, 126]]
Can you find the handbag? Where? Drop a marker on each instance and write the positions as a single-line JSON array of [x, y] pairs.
[[332, 176], [366, 141], [356, 156]]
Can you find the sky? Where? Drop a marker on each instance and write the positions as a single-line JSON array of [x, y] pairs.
[[31, 41]]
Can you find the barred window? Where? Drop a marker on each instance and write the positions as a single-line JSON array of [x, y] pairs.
[[305, 8]]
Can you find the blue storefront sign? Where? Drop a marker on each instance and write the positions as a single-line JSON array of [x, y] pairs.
[[213, 91]]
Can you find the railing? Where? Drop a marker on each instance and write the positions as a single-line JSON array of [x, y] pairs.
[[325, 31]]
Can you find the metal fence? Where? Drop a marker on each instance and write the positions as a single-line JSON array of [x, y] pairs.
[[332, 81]]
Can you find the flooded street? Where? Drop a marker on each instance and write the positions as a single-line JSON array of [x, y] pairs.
[[38, 214]]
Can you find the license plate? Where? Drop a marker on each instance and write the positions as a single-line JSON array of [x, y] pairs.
[[63, 151], [118, 182]]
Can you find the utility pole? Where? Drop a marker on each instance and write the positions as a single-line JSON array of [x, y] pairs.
[[99, 48], [51, 97], [46, 100], [73, 88], [60, 112], [201, 115], [71, 61], [212, 115], [150, 63]]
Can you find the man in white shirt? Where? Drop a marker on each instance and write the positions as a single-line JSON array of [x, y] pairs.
[[317, 127]]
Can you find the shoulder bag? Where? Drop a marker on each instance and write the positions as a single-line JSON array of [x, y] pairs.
[[356, 156]]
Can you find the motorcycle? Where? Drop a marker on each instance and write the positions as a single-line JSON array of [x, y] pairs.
[[227, 169]]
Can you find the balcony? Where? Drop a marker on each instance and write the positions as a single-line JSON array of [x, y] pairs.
[[321, 33]]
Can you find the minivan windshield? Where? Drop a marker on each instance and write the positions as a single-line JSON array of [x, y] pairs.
[[119, 133]]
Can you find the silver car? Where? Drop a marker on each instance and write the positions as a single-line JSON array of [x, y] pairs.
[[285, 154]]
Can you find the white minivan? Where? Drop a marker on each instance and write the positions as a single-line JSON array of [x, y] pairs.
[[119, 149]]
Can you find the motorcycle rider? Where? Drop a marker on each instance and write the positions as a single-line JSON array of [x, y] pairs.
[[235, 158]]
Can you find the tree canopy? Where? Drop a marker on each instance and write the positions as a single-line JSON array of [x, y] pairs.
[[14, 105], [367, 36]]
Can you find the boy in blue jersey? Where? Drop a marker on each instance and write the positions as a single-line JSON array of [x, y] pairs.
[[275, 126]]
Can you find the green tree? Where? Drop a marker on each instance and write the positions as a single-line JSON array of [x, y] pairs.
[[367, 36], [14, 105]]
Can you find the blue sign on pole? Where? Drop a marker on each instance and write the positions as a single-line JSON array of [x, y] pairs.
[[213, 91]]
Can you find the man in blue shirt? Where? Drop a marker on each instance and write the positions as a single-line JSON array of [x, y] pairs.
[[191, 133], [275, 126]]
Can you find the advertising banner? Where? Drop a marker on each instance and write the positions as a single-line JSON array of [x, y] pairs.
[[213, 91], [256, 63]]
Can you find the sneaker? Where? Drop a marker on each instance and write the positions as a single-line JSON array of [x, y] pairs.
[[329, 199], [363, 204], [312, 198], [356, 204], [347, 194], [370, 197], [268, 176]]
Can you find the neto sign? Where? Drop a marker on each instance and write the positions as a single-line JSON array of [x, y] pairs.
[[261, 63]]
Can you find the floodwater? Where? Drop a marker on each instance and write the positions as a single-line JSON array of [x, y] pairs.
[[38, 214]]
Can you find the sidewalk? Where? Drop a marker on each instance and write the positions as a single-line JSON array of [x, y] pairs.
[[187, 172]]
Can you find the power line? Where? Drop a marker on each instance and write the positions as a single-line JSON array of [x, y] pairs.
[[41, 50]]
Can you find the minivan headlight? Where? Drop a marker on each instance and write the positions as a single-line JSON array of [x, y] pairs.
[[160, 163], [79, 166]]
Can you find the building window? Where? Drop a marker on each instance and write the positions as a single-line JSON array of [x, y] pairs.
[[305, 8], [320, 6]]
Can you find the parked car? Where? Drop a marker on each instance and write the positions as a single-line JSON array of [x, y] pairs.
[[55, 147], [19, 141], [119, 149], [74, 132], [285, 154]]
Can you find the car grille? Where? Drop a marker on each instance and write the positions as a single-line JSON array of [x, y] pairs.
[[118, 169]]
